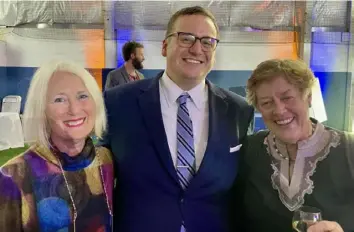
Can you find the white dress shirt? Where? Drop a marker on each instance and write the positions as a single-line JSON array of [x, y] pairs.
[[198, 109]]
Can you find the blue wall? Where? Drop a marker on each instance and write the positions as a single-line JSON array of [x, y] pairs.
[[334, 86], [15, 81]]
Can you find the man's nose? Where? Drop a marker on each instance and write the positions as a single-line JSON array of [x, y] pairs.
[[197, 47]]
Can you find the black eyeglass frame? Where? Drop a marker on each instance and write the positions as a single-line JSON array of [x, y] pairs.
[[178, 33]]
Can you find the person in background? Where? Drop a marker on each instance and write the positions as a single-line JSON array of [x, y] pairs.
[[62, 182], [175, 137], [133, 54], [297, 161]]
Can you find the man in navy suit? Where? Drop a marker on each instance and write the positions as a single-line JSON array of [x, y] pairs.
[[175, 138]]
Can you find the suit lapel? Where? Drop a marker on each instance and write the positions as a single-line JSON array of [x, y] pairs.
[[149, 103], [222, 119], [125, 75], [141, 76], [218, 123]]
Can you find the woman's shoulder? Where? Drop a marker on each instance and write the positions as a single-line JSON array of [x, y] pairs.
[[253, 146], [257, 137], [23, 160], [14, 173], [105, 154], [17, 162]]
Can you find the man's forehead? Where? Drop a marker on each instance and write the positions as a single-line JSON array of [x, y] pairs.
[[184, 24]]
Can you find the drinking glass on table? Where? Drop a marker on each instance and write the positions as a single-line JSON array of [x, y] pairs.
[[304, 217]]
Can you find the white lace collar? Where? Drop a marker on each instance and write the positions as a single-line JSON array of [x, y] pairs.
[[310, 152]]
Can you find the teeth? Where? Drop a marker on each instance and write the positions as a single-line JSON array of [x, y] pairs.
[[193, 61], [283, 122], [75, 123]]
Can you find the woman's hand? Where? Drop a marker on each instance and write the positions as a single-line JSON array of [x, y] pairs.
[[325, 226]]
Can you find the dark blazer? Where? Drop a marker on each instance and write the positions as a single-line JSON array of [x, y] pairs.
[[148, 196], [119, 76]]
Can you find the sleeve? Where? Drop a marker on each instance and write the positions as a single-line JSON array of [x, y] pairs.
[[110, 82], [236, 207], [248, 128], [10, 200], [349, 152], [251, 124]]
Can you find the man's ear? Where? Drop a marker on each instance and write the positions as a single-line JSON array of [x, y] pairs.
[[132, 56], [164, 48]]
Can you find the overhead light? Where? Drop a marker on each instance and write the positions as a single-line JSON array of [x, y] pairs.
[[42, 25]]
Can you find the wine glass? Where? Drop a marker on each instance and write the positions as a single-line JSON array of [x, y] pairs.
[[304, 217]]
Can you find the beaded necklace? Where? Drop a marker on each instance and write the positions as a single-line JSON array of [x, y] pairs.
[[72, 198], [277, 150]]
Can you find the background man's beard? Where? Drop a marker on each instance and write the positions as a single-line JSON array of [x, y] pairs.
[[137, 64]]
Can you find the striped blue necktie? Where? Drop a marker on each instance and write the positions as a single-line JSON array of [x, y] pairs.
[[185, 145]]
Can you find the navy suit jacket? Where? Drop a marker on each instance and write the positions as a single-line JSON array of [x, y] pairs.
[[148, 196]]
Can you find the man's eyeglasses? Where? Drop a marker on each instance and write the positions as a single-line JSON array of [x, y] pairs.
[[187, 40]]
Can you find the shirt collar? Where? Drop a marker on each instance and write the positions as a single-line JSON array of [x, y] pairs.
[[198, 94]]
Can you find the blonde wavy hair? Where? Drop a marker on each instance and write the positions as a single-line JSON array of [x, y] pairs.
[[35, 124]]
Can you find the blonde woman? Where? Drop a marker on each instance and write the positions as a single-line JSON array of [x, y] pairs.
[[62, 182], [296, 162]]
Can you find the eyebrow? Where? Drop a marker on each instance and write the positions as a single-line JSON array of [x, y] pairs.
[[80, 92], [283, 93], [264, 98], [61, 93], [205, 36]]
